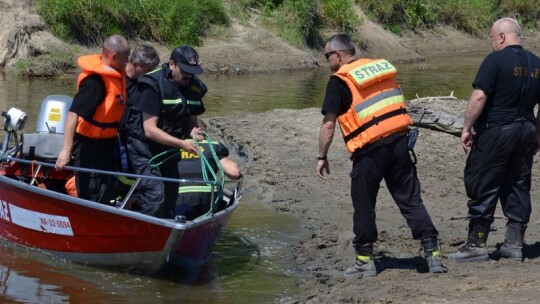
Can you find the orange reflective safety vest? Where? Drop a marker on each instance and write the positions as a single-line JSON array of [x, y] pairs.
[[104, 124], [378, 106]]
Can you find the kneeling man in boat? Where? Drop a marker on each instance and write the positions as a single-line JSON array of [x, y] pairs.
[[195, 200]]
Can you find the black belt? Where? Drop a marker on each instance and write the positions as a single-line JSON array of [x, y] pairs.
[[502, 125]]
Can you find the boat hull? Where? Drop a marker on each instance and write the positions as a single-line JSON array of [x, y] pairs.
[[99, 235]]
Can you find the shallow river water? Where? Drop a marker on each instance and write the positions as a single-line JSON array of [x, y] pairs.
[[252, 262]]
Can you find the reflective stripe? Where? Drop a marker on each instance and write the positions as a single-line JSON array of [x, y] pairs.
[[195, 189], [172, 101], [378, 102], [363, 258], [194, 102], [126, 181]]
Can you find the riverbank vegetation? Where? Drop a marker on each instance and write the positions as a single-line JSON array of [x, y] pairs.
[[168, 21], [300, 22], [472, 16]]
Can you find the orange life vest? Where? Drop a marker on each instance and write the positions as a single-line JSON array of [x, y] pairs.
[[104, 123], [378, 106]]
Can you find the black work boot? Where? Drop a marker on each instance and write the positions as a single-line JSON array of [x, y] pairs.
[[433, 255], [512, 248], [364, 266], [475, 248]]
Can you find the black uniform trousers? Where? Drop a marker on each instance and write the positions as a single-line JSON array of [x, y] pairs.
[[100, 154], [499, 167], [392, 163], [158, 198]]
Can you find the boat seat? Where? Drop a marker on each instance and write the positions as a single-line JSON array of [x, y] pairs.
[[44, 146]]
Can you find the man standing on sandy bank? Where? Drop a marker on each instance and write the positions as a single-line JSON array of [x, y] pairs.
[[501, 111], [363, 96]]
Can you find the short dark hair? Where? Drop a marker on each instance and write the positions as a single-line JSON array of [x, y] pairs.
[[145, 55], [343, 42]]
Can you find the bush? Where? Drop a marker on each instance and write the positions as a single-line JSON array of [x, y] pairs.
[[297, 21], [471, 16], [525, 11], [340, 14], [173, 22]]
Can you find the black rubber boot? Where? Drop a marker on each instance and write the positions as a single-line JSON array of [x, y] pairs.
[[512, 248], [475, 248], [433, 255], [364, 266]]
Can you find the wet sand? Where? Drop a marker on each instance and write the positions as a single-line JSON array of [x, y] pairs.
[[278, 149]]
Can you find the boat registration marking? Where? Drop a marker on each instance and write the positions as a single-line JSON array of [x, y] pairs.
[[43, 222]]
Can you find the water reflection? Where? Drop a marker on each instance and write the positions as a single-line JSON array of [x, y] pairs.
[[440, 76], [250, 265], [262, 92], [24, 279]]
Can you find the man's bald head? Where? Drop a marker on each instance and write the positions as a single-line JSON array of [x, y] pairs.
[[508, 26], [116, 52], [505, 32]]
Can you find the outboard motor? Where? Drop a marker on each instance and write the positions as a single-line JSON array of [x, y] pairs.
[[47, 142], [53, 114]]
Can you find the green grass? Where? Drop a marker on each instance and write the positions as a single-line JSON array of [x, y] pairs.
[[173, 22], [472, 16], [300, 22]]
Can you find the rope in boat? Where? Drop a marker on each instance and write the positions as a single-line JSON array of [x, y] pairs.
[[207, 169]]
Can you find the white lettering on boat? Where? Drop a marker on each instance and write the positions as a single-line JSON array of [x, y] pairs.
[[44, 222], [4, 211]]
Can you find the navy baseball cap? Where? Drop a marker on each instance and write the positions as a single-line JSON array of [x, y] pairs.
[[188, 59]]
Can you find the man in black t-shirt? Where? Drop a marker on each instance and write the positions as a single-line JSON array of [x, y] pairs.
[[501, 149]]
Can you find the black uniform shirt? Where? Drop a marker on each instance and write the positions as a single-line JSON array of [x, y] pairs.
[[90, 95], [132, 91], [501, 76], [338, 98], [190, 166], [149, 101]]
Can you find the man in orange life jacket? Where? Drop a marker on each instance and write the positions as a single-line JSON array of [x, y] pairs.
[[364, 98], [92, 122]]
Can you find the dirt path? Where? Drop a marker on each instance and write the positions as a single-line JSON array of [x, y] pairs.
[[279, 152]]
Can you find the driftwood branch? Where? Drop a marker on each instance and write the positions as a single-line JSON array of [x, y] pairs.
[[442, 113]]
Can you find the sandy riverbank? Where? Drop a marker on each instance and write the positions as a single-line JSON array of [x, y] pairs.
[[279, 149]]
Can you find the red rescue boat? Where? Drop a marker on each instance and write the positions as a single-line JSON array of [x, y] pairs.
[[35, 214]]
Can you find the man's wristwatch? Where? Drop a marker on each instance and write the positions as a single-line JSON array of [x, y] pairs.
[[322, 157]]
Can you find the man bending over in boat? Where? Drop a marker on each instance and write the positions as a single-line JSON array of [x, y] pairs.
[[90, 133], [160, 123], [195, 200]]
